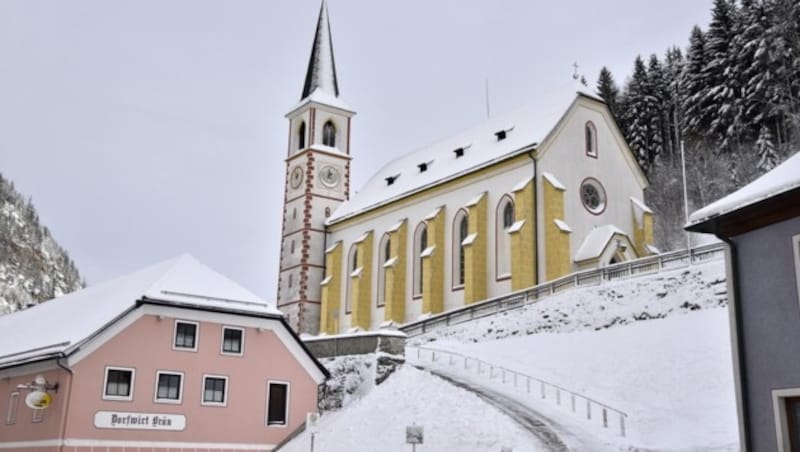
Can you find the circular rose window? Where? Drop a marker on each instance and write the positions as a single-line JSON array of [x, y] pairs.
[[593, 196]]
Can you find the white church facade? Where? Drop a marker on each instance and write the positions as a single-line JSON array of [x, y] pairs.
[[526, 197]]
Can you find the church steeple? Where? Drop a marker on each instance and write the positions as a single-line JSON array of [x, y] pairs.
[[321, 73], [317, 182]]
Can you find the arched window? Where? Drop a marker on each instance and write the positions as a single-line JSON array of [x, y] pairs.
[[385, 255], [591, 139], [420, 244], [352, 265], [329, 134], [460, 232], [301, 135], [505, 218]]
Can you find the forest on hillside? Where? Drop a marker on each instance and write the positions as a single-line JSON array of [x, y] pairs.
[[33, 267], [731, 95]]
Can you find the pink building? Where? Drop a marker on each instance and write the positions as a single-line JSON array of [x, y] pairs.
[[173, 357]]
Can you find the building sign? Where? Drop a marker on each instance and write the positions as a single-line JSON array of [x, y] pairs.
[[139, 421]]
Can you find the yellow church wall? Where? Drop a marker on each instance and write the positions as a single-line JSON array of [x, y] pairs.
[[361, 284], [643, 233], [395, 309], [433, 265], [475, 256], [558, 260], [523, 239], [332, 291]]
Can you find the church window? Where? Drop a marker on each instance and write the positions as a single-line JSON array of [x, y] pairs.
[[294, 213], [420, 244], [290, 280], [508, 215], [301, 135], [591, 139], [329, 134], [593, 196], [505, 218], [291, 247], [385, 250], [352, 265], [460, 233]]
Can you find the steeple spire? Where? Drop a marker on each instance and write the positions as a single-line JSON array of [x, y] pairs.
[[321, 73]]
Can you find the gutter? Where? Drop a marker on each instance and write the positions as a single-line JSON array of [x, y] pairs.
[[739, 357], [69, 399]]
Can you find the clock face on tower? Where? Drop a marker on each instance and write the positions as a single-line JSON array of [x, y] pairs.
[[296, 178], [329, 176]]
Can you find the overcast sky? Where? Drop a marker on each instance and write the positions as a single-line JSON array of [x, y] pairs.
[[149, 128]]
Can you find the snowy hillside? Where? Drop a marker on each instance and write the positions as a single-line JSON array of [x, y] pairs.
[[655, 347], [33, 267]]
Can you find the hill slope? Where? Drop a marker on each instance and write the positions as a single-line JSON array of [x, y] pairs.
[[33, 267]]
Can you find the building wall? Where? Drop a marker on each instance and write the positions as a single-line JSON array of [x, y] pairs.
[[564, 156], [26, 427], [146, 345], [496, 181], [770, 322]]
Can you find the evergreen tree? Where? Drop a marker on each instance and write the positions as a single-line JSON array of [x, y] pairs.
[[608, 91], [655, 98], [637, 113], [724, 90], [696, 115], [673, 105], [765, 147]]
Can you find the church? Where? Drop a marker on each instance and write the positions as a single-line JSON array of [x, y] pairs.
[[523, 198]]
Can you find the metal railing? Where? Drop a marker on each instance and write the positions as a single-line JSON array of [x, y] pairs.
[[515, 300], [579, 404]]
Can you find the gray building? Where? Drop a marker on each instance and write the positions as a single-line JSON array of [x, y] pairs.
[[760, 224]]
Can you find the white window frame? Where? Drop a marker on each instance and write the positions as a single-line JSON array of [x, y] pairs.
[[796, 251], [779, 410], [222, 342], [288, 403], [175, 336], [37, 416], [105, 384], [180, 388], [203, 391], [13, 407]]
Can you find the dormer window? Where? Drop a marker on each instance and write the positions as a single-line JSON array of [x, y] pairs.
[[301, 135], [424, 166], [391, 179], [501, 134], [459, 152], [329, 134]]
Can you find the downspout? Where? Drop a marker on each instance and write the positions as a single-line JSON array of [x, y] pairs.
[[744, 434], [69, 399], [535, 253]]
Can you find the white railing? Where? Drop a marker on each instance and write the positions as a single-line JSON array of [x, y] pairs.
[[579, 404], [515, 300]]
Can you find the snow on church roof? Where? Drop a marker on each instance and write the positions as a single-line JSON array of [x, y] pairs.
[[523, 129], [782, 178], [60, 324]]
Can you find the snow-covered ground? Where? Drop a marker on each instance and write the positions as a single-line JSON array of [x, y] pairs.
[[673, 377], [655, 347], [453, 420]]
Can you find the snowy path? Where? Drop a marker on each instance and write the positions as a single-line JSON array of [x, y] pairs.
[[523, 415], [566, 434]]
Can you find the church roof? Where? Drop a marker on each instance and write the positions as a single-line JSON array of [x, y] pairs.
[[321, 73], [495, 139], [62, 324]]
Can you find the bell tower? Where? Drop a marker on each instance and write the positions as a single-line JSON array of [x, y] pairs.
[[317, 182]]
